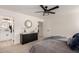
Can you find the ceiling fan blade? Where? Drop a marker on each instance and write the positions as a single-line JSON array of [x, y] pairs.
[[52, 12], [39, 11], [42, 7], [53, 8]]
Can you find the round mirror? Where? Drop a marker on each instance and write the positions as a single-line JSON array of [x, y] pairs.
[[28, 24]]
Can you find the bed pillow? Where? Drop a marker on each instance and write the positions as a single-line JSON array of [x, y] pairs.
[[73, 43]]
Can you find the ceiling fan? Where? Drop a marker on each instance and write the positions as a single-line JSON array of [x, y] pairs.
[[46, 10]]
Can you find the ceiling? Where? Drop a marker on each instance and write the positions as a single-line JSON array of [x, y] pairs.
[[32, 9], [26, 9]]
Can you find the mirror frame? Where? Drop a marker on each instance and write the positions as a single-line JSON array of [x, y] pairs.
[[26, 24]]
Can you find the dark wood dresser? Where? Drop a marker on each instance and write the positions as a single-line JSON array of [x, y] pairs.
[[26, 38]]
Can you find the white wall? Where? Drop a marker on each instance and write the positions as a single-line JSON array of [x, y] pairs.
[[19, 20], [65, 22]]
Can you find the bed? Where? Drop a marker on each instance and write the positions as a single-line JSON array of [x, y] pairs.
[[54, 44]]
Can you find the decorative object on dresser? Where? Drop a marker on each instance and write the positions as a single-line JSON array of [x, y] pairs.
[[26, 38]]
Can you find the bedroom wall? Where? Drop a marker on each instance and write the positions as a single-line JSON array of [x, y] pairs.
[[19, 20], [65, 22]]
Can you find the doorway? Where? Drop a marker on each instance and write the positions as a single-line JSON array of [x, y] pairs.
[[40, 30]]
